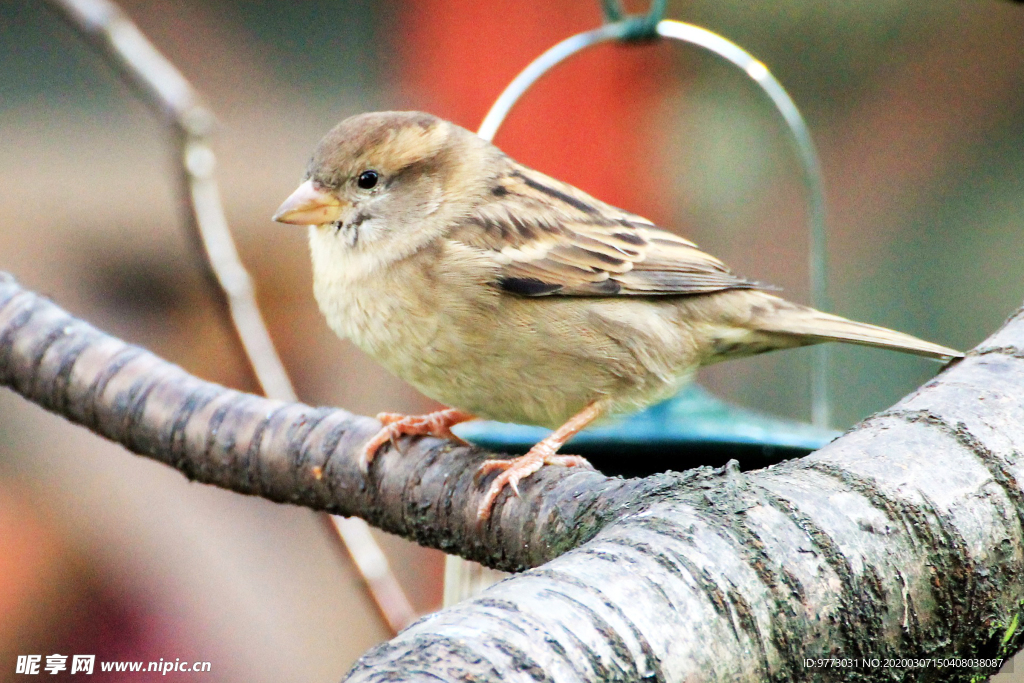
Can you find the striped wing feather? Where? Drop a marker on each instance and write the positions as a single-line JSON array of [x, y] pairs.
[[549, 238]]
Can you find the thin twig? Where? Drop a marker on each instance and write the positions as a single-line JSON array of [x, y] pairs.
[[160, 85]]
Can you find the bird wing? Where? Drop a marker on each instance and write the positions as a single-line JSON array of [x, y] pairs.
[[549, 238]]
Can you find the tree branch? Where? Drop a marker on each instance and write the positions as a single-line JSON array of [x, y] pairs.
[[895, 550], [288, 452], [902, 541]]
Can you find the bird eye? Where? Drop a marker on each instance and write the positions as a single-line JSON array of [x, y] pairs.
[[368, 179]]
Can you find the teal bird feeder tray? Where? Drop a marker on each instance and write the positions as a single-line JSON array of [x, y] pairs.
[[689, 430]]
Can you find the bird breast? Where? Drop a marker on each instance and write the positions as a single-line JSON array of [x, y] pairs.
[[434, 320]]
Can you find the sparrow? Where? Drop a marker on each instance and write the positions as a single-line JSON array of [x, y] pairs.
[[511, 296]]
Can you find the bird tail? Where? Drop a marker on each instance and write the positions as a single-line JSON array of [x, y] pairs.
[[811, 326]]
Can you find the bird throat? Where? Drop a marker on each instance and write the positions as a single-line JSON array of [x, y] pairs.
[[347, 232]]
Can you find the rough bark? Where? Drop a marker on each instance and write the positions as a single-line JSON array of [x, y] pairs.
[[290, 452], [902, 540]]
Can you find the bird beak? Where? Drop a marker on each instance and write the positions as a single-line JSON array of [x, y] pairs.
[[309, 206]]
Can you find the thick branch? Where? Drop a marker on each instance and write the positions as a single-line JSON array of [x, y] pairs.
[[902, 541], [289, 452]]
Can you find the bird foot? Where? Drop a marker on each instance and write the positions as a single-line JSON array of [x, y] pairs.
[[396, 425], [515, 469]]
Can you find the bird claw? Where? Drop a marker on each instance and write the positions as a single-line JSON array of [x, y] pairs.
[[396, 425], [516, 469]]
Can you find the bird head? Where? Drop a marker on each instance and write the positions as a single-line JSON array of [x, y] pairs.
[[383, 176]]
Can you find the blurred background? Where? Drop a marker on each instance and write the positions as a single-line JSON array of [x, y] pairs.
[[916, 107]]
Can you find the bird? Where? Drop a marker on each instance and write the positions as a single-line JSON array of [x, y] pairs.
[[508, 295]]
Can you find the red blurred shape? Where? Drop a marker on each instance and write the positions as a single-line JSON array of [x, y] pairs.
[[589, 122]]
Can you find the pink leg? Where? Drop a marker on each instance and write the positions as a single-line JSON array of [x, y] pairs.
[[395, 425], [541, 454]]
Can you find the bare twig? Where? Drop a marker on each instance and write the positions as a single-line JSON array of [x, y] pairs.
[[160, 85]]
